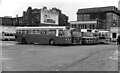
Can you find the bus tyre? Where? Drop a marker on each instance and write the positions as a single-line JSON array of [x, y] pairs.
[[52, 42], [23, 41]]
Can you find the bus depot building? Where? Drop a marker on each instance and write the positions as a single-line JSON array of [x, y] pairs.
[[99, 18]]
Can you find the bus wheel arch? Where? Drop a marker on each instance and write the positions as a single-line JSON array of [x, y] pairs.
[[52, 42]]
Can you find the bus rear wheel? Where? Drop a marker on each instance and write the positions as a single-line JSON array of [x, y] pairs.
[[52, 42]]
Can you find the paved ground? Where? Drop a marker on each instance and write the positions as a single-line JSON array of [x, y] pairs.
[[18, 57]]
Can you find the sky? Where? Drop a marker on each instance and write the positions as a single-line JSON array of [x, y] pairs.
[[68, 7]]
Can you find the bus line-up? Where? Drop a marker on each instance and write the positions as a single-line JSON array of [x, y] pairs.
[[55, 35]]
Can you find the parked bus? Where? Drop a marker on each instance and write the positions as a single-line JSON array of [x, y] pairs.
[[76, 37], [43, 35], [89, 37], [8, 33], [104, 36], [8, 36]]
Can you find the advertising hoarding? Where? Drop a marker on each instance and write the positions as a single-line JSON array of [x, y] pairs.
[[49, 17]]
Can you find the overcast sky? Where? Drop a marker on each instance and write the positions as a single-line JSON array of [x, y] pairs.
[[68, 7]]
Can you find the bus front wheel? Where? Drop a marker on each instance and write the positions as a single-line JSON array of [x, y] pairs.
[[51, 42]]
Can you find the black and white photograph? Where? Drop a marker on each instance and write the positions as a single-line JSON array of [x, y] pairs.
[[59, 36]]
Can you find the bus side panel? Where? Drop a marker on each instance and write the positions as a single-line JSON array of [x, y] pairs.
[[18, 37], [41, 39], [63, 40], [29, 38]]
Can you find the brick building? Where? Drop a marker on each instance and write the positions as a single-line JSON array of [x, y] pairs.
[[106, 16], [6, 21], [10, 21]]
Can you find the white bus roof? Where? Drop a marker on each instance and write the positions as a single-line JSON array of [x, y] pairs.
[[43, 27], [92, 30], [104, 31], [83, 22]]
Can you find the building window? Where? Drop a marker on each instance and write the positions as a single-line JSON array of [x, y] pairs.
[[80, 17], [86, 17]]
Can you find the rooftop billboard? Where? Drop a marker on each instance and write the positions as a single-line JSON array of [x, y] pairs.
[[49, 17]]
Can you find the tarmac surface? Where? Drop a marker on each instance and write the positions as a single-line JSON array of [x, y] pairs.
[[22, 57]]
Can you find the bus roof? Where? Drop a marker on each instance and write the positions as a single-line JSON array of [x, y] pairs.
[[104, 31], [43, 27]]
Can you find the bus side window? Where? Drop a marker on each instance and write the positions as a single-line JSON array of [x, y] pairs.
[[16, 31], [20, 31], [37, 31], [23, 31], [51, 32], [7, 34], [27, 31], [43, 31], [31, 31], [61, 33], [11, 34]]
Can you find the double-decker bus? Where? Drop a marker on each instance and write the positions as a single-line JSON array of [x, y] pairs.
[[43, 35], [89, 37]]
